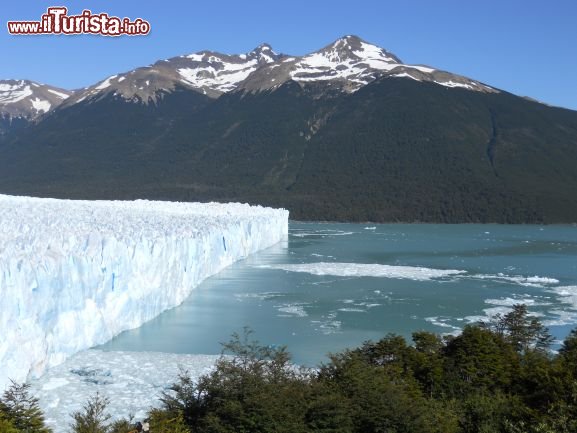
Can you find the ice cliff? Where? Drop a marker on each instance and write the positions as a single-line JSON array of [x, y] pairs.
[[73, 274]]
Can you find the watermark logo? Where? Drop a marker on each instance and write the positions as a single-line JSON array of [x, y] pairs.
[[56, 21]]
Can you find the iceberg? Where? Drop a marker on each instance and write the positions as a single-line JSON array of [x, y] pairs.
[[74, 274]]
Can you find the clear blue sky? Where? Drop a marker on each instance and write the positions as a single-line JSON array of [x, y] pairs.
[[528, 47]]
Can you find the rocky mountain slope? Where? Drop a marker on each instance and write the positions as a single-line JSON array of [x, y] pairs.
[[22, 101], [346, 133]]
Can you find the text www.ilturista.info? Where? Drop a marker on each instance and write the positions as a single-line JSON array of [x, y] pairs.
[[57, 21]]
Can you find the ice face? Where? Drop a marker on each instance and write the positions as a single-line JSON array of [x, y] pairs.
[[73, 274]]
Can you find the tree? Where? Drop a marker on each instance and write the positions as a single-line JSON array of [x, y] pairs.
[[93, 418], [427, 362], [21, 410], [568, 353], [252, 388], [522, 330], [6, 425], [478, 360]]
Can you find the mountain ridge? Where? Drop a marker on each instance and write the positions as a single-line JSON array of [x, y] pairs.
[[393, 149], [348, 63]]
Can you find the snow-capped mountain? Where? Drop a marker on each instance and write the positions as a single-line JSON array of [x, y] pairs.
[[348, 132], [350, 63], [27, 99], [207, 72], [347, 64]]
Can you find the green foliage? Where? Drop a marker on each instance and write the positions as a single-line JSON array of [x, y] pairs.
[[487, 413], [492, 378], [478, 359], [93, 418], [162, 421], [396, 150], [121, 426], [20, 410], [255, 389], [521, 330], [6, 425], [568, 354]]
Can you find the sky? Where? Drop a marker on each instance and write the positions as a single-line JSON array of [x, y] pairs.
[[526, 47]]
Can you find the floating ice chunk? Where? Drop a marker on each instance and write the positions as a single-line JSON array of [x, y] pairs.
[[534, 281], [293, 309], [567, 295], [366, 270]]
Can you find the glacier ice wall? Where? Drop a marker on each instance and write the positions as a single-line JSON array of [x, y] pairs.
[[73, 274]]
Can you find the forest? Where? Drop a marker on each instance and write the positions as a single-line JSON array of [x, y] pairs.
[[495, 376]]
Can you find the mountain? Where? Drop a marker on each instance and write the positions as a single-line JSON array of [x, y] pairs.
[[346, 133], [22, 101], [349, 64], [206, 72]]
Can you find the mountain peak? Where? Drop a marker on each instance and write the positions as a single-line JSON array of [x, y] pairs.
[[354, 48], [28, 99], [264, 54], [347, 64]]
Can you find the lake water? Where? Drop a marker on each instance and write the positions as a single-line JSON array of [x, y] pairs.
[[332, 286]]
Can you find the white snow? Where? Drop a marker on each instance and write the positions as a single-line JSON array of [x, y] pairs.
[[10, 94], [121, 79], [74, 274], [197, 57], [133, 381], [222, 76], [5, 87], [41, 105], [404, 75], [359, 67], [422, 68], [366, 270], [451, 83], [106, 83], [372, 52], [59, 94]]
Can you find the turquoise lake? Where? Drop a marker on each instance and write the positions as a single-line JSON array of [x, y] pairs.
[[332, 286]]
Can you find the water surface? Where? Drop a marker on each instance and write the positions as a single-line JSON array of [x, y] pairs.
[[332, 286]]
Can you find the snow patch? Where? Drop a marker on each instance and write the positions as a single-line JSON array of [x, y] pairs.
[[195, 57], [10, 94], [106, 83], [40, 105], [60, 94]]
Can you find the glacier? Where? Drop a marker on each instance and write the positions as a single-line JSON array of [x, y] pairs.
[[74, 274], [132, 381]]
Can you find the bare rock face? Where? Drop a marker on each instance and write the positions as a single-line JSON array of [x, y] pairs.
[[206, 72], [346, 65]]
